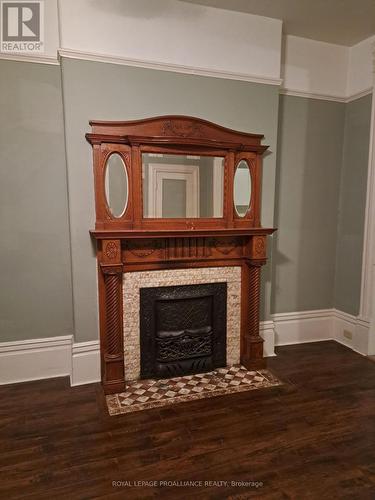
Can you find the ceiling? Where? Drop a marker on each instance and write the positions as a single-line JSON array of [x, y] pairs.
[[344, 22]]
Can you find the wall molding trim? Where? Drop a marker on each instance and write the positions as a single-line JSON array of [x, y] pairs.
[[351, 331], [312, 95], [267, 332], [301, 327], [30, 58], [325, 97], [37, 359], [176, 68], [300, 315], [358, 95], [85, 363], [319, 325], [138, 63]]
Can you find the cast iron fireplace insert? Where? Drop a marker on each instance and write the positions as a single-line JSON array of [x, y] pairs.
[[183, 329]]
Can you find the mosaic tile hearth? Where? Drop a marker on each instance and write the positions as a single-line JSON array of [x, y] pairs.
[[145, 394]]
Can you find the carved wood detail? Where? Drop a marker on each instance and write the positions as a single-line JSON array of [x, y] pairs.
[[113, 313], [111, 250], [252, 351], [224, 246], [134, 243], [113, 356], [254, 298], [173, 127], [143, 249], [184, 248], [259, 247]]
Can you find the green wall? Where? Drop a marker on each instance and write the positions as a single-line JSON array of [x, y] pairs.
[[112, 92], [352, 205], [35, 292], [47, 256], [308, 182], [320, 204]]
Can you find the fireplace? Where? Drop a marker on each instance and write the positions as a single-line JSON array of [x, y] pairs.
[[183, 329], [214, 177], [136, 282]]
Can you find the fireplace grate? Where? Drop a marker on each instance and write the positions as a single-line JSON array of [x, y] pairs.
[[184, 344], [183, 329]]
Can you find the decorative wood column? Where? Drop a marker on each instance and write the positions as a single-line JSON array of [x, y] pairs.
[[251, 341], [113, 373], [132, 242]]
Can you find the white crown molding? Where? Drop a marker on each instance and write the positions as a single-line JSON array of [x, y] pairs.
[[325, 97], [30, 58], [312, 95], [176, 68], [190, 70], [358, 95]]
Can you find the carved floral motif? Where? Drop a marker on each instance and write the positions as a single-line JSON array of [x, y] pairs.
[[182, 129], [224, 246], [147, 249], [111, 250], [259, 246]]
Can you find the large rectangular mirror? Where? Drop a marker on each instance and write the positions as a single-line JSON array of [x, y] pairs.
[[182, 186]]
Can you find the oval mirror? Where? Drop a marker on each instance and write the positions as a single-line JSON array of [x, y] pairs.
[[242, 188], [116, 185]]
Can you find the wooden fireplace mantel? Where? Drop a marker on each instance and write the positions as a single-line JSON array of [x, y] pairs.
[[132, 242], [140, 234]]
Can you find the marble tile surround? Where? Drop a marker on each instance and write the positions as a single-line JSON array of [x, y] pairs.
[[132, 282]]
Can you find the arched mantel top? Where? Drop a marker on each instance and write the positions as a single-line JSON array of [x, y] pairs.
[[175, 129]]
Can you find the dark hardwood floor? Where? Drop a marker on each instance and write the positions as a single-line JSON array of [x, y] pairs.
[[313, 437]]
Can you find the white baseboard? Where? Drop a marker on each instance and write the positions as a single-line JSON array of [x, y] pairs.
[[301, 327], [85, 363], [267, 332], [351, 331], [320, 325], [36, 359]]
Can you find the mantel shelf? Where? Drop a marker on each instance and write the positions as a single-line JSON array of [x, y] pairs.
[[111, 234], [174, 141], [131, 242]]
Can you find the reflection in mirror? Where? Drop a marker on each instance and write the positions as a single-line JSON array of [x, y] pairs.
[[182, 186], [116, 185], [242, 188]]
